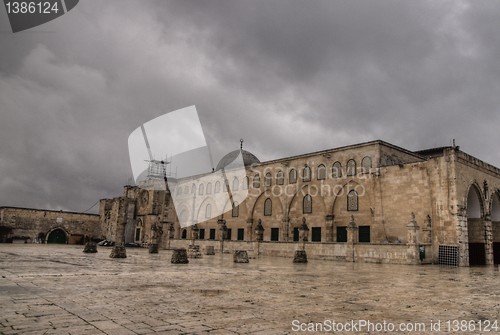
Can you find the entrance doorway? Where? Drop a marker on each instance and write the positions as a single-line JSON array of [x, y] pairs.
[[57, 236]]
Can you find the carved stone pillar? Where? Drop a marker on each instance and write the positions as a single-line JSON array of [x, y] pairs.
[[329, 228], [488, 239], [463, 237]]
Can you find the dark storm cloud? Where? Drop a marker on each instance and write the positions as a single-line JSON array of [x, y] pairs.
[[288, 76]]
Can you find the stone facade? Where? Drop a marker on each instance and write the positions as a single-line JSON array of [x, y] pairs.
[[36, 225], [453, 199]]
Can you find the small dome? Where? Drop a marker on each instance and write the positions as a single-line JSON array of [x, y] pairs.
[[248, 158]]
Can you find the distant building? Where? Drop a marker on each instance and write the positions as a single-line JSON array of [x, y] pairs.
[[26, 225], [372, 202]]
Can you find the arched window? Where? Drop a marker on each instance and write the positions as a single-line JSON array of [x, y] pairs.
[[337, 170], [201, 189], [321, 172], [245, 183], [208, 211], [351, 167], [268, 179], [292, 176], [217, 187], [306, 174], [209, 188], [366, 164], [236, 184], [256, 181], [193, 189], [268, 207], [307, 204], [184, 234], [280, 178], [352, 201], [236, 210]]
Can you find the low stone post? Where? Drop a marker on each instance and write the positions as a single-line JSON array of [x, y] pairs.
[[209, 250], [259, 234], [240, 256], [90, 248], [179, 256], [412, 240]]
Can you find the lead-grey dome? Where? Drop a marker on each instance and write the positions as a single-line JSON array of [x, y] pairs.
[[248, 158]]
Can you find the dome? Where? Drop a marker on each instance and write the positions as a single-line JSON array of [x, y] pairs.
[[248, 158]]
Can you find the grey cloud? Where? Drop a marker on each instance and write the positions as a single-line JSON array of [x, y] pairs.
[[287, 76]]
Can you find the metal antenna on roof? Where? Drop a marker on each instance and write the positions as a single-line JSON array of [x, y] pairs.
[[241, 144]]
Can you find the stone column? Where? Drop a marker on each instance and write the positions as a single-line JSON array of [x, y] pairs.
[[412, 240], [285, 225], [352, 232], [249, 234], [488, 239], [463, 237], [329, 228], [118, 250]]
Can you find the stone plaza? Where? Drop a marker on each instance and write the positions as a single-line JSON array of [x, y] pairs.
[[58, 289]]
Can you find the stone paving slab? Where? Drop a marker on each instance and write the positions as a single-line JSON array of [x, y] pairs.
[[56, 289]]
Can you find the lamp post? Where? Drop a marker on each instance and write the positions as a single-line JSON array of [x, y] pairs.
[[259, 233], [304, 233], [171, 230], [193, 249], [301, 255], [223, 233], [156, 232]]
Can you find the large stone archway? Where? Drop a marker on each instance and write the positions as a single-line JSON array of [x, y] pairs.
[[475, 227], [57, 236]]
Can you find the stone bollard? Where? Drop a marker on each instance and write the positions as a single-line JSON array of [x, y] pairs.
[[153, 248], [194, 251], [209, 250], [240, 256], [179, 256], [90, 248], [118, 251], [300, 256]]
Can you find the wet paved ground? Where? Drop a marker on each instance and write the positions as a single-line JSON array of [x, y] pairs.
[[47, 289]]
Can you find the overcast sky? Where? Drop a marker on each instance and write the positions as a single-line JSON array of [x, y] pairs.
[[288, 76]]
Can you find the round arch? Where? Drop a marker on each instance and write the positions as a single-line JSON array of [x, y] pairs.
[[57, 236], [475, 225]]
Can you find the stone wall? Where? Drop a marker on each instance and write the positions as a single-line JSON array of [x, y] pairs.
[[372, 253], [35, 225]]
